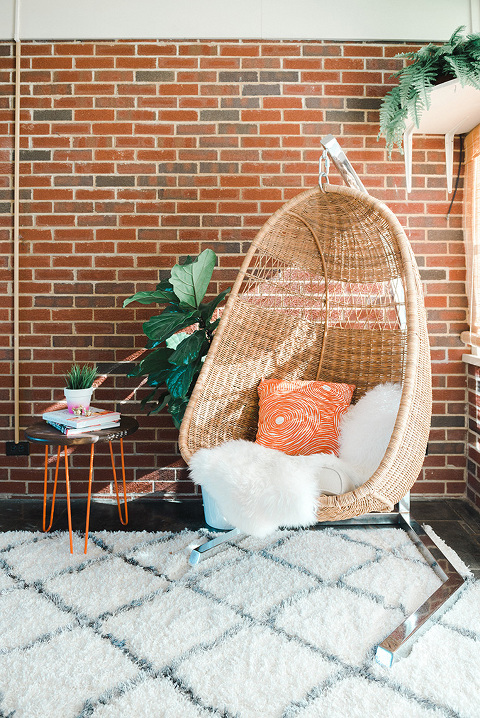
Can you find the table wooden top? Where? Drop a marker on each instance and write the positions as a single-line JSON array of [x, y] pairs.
[[46, 434]]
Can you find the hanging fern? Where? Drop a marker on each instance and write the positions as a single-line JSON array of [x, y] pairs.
[[459, 57]]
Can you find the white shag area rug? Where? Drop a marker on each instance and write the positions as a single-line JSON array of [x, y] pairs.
[[280, 627]]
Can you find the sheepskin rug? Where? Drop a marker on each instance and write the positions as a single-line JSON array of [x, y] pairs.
[[283, 627], [258, 490]]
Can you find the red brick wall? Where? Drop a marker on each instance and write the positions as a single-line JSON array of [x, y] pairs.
[[473, 448], [136, 153]]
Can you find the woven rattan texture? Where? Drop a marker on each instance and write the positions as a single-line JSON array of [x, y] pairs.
[[328, 289]]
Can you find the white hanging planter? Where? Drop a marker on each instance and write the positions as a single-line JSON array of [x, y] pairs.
[[453, 110], [78, 398]]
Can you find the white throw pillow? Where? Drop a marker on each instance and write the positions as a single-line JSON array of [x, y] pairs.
[[366, 428]]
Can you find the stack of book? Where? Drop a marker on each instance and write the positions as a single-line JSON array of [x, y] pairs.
[[72, 425]]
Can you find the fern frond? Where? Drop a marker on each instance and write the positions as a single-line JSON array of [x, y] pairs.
[[460, 66], [392, 120], [459, 56]]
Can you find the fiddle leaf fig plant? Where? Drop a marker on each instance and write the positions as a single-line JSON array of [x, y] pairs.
[[458, 58], [173, 365]]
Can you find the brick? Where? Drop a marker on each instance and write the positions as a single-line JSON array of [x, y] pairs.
[[177, 167], [344, 116], [261, 89], [35, 155], [48, 115], [115, 181], [238, 76], [219, 115], [154, 76]]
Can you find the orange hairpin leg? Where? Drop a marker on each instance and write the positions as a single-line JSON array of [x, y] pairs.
[[45, 489], [122, 521], [90, 474], [69, 511]]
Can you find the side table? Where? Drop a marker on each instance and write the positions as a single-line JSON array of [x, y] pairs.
[[43, 433]]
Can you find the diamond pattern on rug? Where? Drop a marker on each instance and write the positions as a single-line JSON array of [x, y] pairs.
[[358, 622], [274, 672], [333, 555], [465, 613], [371, 700], [169, 557], [402, 585], [164, 628], [386, 539], [255, 587], [448, 660], [152, 698], [25, 616], [281, 627], [49, 554], [55, 678], [117, 584], [6, 538], [123, 541]]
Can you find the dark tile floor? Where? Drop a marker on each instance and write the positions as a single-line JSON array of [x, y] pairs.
[[456, 521]]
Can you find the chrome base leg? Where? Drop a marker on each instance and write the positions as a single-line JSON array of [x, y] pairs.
[[198, 552], [397, 644]]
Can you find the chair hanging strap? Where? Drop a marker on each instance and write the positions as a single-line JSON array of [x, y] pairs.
[[324, 161]]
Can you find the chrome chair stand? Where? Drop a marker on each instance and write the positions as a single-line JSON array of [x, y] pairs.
[[398, 643]]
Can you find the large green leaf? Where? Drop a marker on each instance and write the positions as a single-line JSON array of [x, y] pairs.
[[206, 310], [190, 281], [158, 378], [155, 362], [161, 404], [177, 407], [189, 349], [176, 339], [159, 296], [179, 380], [168, 322], [165, 286]]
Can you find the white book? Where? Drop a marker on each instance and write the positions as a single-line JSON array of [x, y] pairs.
[[98, 416], [69, 431]]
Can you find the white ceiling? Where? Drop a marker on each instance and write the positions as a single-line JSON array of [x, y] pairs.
[[375, 20]]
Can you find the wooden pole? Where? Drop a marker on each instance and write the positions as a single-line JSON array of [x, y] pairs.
[[16, 232]]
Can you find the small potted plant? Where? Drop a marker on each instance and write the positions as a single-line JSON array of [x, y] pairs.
[[79, 387], [458, 58]]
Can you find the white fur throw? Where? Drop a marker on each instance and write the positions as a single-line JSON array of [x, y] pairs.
[[258, 489]]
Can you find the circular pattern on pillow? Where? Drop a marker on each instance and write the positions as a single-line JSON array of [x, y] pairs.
[[301, 417]]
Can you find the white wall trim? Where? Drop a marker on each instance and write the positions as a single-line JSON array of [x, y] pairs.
[[471, 359], [358, 20]]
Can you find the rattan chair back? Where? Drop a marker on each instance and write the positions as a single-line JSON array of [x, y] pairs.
[[329, 290]]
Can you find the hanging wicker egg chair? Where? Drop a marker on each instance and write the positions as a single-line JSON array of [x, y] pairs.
[[328, 290]]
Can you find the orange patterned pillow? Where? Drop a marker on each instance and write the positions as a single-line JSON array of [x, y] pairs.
[[301, 417]]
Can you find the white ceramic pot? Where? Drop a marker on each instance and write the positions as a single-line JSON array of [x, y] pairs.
[[78, 398], [213, 515]]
